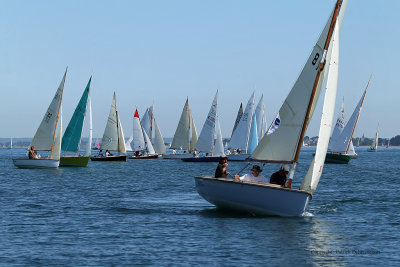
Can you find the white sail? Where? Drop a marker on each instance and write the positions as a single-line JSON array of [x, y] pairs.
[[282, 145], [181, 136], [146, 121], [313, 175], [374, 145], [159, 145], [149, 146], [193, 141], [219, 145], [205, 143], [110, 135], [57, 142], [121, 148], [260, 118], [238, 116], [240, 137], [45, 134], [88, 148], [128, 144], [137, 143], [339, 126], [352, 151]]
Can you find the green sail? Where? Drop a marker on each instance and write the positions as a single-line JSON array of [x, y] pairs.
[[72, 135]]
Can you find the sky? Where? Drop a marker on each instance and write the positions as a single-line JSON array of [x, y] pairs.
[[164, 51]]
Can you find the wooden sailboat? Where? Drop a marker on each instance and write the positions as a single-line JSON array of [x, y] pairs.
[[239, 141], [341, 149], [183, 143], [113, 137], [73, 134], [374, 146], [48, 136], [210, 140], [283, 145], [141, 144]]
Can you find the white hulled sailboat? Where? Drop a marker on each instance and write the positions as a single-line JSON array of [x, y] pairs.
[[48, 135], [283, 145]]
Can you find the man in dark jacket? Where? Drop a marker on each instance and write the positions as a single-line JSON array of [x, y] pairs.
[[279, 177], [221, 172]]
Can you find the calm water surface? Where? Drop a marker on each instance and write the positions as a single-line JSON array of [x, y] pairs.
[[149, 213]]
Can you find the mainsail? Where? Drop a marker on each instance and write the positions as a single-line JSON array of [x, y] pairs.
[[137, 143], [45, 135], [73, 134], [240, 137], [283, 145], [159, 145], [205, 143], [182, 133], [238, 116], [260, 117]]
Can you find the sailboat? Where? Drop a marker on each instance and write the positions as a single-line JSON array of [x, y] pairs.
[[185, 137], [113, 137], [11, 144], [141, 143], [388, 144], [283, 145], [73, 134], [341, 149], [150, 126], [210, 142], [374, 146], [97, 145], [48, 136], [239, 142]]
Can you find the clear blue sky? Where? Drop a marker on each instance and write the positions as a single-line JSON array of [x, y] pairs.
[[163, 51]]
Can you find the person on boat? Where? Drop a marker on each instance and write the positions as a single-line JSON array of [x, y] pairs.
[[279, 177], [174, 151], [195, 153], [228, 152], [221, 172], [255, 176], [32, 153], [108, 153], [100, 153], [137, 154]]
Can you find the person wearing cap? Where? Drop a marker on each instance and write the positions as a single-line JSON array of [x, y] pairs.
[[279, 177], [221, 172], [255, 176]]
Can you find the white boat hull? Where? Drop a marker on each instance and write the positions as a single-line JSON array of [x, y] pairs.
[[36, 163], [255, 198], [238, 157], [176, 156]]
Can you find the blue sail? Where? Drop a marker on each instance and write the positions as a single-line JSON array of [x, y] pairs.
[[253, 140], [72, 135]]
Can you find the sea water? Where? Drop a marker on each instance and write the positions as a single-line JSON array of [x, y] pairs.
[[147, 212]]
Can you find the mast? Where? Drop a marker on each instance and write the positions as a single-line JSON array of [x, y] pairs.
[[151, 123], [320, 69], [189, 129], [358, 115], [116, 115]]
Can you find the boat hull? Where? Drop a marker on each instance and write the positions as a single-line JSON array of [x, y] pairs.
[[144, 157], [35, 163], [254, 198], [74, 161], [109, 158], [201, 159], [337, 158], [238, 157], [176, 156]]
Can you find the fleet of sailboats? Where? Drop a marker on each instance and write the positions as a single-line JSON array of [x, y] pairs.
[[283, 145]]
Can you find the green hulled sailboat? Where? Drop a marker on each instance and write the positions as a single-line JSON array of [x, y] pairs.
[[73, 134]]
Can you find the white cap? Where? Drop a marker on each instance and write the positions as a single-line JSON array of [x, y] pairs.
[[286, 168]]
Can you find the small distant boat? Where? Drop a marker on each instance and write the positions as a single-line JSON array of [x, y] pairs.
[[210, 139], [11, 144], [239, 142], [97, 146], [141, 144], [388, 144], [185, 137], [48, 136], [341, 149], [374, 146], [284, 144], [113, 137], [73, 134]]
